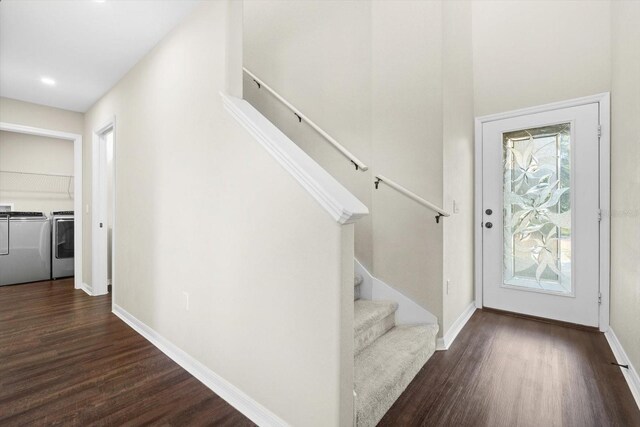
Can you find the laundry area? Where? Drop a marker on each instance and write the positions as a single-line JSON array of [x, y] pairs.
[[37, 218]]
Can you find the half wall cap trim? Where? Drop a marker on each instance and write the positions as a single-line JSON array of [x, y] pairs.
[[341, 204]]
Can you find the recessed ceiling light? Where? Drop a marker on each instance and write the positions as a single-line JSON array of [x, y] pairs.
[[99, 1], [48, 81]]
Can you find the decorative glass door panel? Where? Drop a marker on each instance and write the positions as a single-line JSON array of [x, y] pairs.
[[537, 208], [540, 202]]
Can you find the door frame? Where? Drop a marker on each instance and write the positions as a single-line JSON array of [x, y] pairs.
[[603, 100], [98, 133], [77, 187]]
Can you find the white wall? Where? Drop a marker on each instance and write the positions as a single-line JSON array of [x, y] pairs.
[[530, 52], [202, 208], [458, 147], [35, 154], [625, 179]]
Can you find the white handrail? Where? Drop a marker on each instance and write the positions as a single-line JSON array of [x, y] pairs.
[[357, 162], [411, 195]]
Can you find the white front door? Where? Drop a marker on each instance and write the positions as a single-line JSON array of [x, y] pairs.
[[540, 202]]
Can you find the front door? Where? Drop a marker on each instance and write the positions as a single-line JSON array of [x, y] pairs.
[[540, 201]]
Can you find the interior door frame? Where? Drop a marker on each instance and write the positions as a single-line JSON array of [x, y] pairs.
[[99, 286], [603, 101], [77, 187]]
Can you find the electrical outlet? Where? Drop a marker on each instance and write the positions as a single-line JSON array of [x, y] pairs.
[[185, 296]]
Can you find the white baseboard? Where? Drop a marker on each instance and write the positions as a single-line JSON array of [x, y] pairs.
[[445, 342], [409, 312], [631, 375], [227, 391], [87, 289]]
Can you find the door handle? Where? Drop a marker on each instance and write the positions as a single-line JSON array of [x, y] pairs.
[[488, 211], [488, 225]]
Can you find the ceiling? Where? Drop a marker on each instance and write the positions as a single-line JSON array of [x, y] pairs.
[[85, 46]]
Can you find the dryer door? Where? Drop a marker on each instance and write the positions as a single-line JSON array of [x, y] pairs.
[[62, 264], [64, 238]]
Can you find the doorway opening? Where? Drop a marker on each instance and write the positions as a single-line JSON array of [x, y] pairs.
[[103, 218], [72, 186], [542, 203]]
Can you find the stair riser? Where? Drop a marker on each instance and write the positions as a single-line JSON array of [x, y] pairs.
[[369, 416], [373, 332], [384, 369]]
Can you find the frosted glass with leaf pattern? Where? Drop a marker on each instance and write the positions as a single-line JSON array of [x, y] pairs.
[[537, 208]]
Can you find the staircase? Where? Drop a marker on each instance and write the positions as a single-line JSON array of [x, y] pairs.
[[387, 357]]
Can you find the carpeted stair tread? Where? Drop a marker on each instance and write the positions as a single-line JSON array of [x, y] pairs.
[[385, 368], [366, 313]]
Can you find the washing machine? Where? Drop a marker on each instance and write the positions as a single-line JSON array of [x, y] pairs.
[[25, 247]]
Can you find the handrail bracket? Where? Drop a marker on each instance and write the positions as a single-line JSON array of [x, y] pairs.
[[413, 196]]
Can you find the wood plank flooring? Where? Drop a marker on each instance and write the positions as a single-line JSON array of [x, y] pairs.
[[508, 371], [65, 359]]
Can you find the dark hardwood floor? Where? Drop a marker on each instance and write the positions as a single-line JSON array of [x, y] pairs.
[[65, 359], [508, 371]]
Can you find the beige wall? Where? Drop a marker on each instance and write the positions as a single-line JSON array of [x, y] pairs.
[[530, 52], [198, 201], [391, 81], [357, 76], [35, 155], [40, 116], [430, 67], [407, 146], [458, 146], [625, 178], [326, 73], [24, 113]]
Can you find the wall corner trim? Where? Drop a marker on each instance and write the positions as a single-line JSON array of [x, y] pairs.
[[343, 206], [631, 375], [87, 289], [445, 342], [227, 391]]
